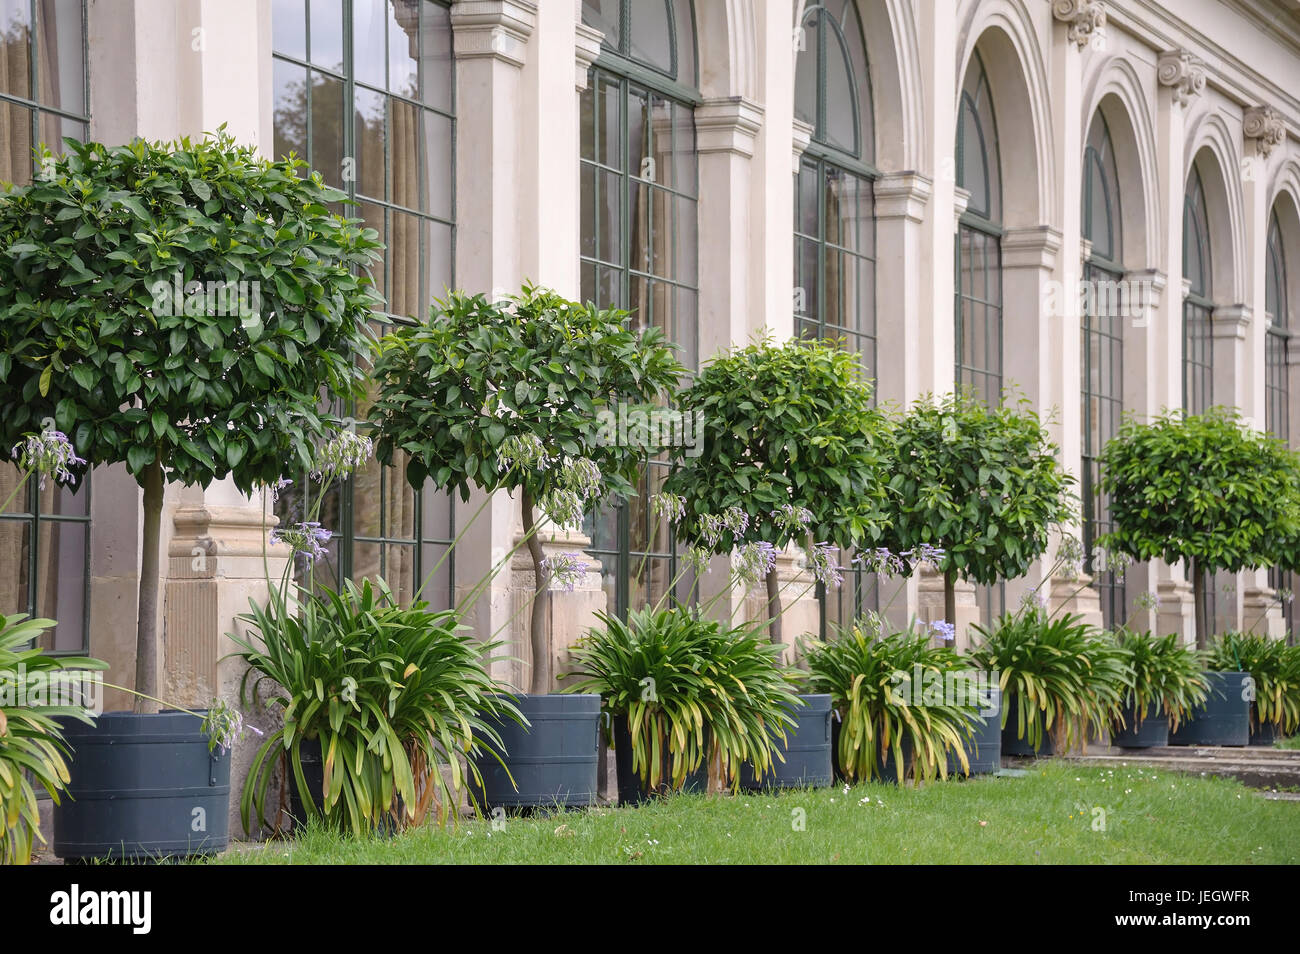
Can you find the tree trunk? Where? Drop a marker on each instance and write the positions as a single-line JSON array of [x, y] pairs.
[[773, 606], [1200, 608], [146, 645], [540, 684], [950, 597]]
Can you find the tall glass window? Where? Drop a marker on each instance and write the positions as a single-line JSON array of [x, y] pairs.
[[979, 240], [44, 533], [364, 93], [639, 182], [1102, 326], [1198, 345], [978, 273], [834, 219], [1277, 383]]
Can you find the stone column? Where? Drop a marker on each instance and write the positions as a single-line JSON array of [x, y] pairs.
[[1181, 78], [491, 39]]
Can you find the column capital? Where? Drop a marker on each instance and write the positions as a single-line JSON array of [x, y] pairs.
[[902, 195], [1033, 247], [1183, 73], [1230, 321], [960, 200], [729, 124], [493, 29], [1086, 19], [1149, 278], [586, 47], [1263, 125]]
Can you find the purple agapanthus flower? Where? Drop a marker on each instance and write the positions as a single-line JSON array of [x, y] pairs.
[[307, 538], [753, 561], [566, 570], [822, 563], [944, 630], [49, 454]]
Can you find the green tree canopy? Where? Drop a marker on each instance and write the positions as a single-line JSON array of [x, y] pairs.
[[980, 483], [511, 395], [123, 317], [786, 427], [1202, 488]]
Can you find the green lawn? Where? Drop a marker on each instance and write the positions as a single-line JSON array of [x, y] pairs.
[[1047, 816]]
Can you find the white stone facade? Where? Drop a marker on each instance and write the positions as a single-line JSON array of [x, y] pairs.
[[1210, 82]]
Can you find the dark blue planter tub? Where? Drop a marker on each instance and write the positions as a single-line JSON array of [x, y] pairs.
[[142, 787], [1264, 733], [631, 790], [1153, 731], [1224, 719], [886, 770], [553, 759], [1012, 744], [984, 749], [807, 750]]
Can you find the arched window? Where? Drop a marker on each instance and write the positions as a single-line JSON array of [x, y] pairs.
[[639, 237], [1198, 345], [979, 248], [834, 219], [978, 273], [363, 92], [45, 531], [1102, 326], [1277, 384]]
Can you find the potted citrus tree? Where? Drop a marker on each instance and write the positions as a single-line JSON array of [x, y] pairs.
[[1208, 491], [507, 396], [178, 308], [791, 452]]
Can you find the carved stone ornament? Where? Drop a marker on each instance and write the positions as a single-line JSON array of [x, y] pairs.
[[1183, 73], [1086, 18]]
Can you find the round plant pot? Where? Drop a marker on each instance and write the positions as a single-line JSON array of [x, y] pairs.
[[1151, 732], [1224, 717], [807, 750], [1012, 744], [143, 786], [313, 771], [631, 790], [885, 767], [1264, 733], [984, 748], [552, 760]]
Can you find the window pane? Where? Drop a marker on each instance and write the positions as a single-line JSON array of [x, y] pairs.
[[368, 107], [15, 46], [438, 163], [62, 72], [651, 34], [289, 28], [369, 19], [404, 47], [604, 15], [327, 34], [15, 144], [436, 50]]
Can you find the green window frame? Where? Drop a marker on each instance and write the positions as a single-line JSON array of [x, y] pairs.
[[1102, 355], [45, 534], [977, 265], [1277, 380], [1198, 304], [639, 240], [365, 92]]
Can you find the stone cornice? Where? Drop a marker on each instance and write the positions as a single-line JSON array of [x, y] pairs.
[[1230, 321], [1034, 247], [587, 40], [902, 195], [727, 125], [493, 29]]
